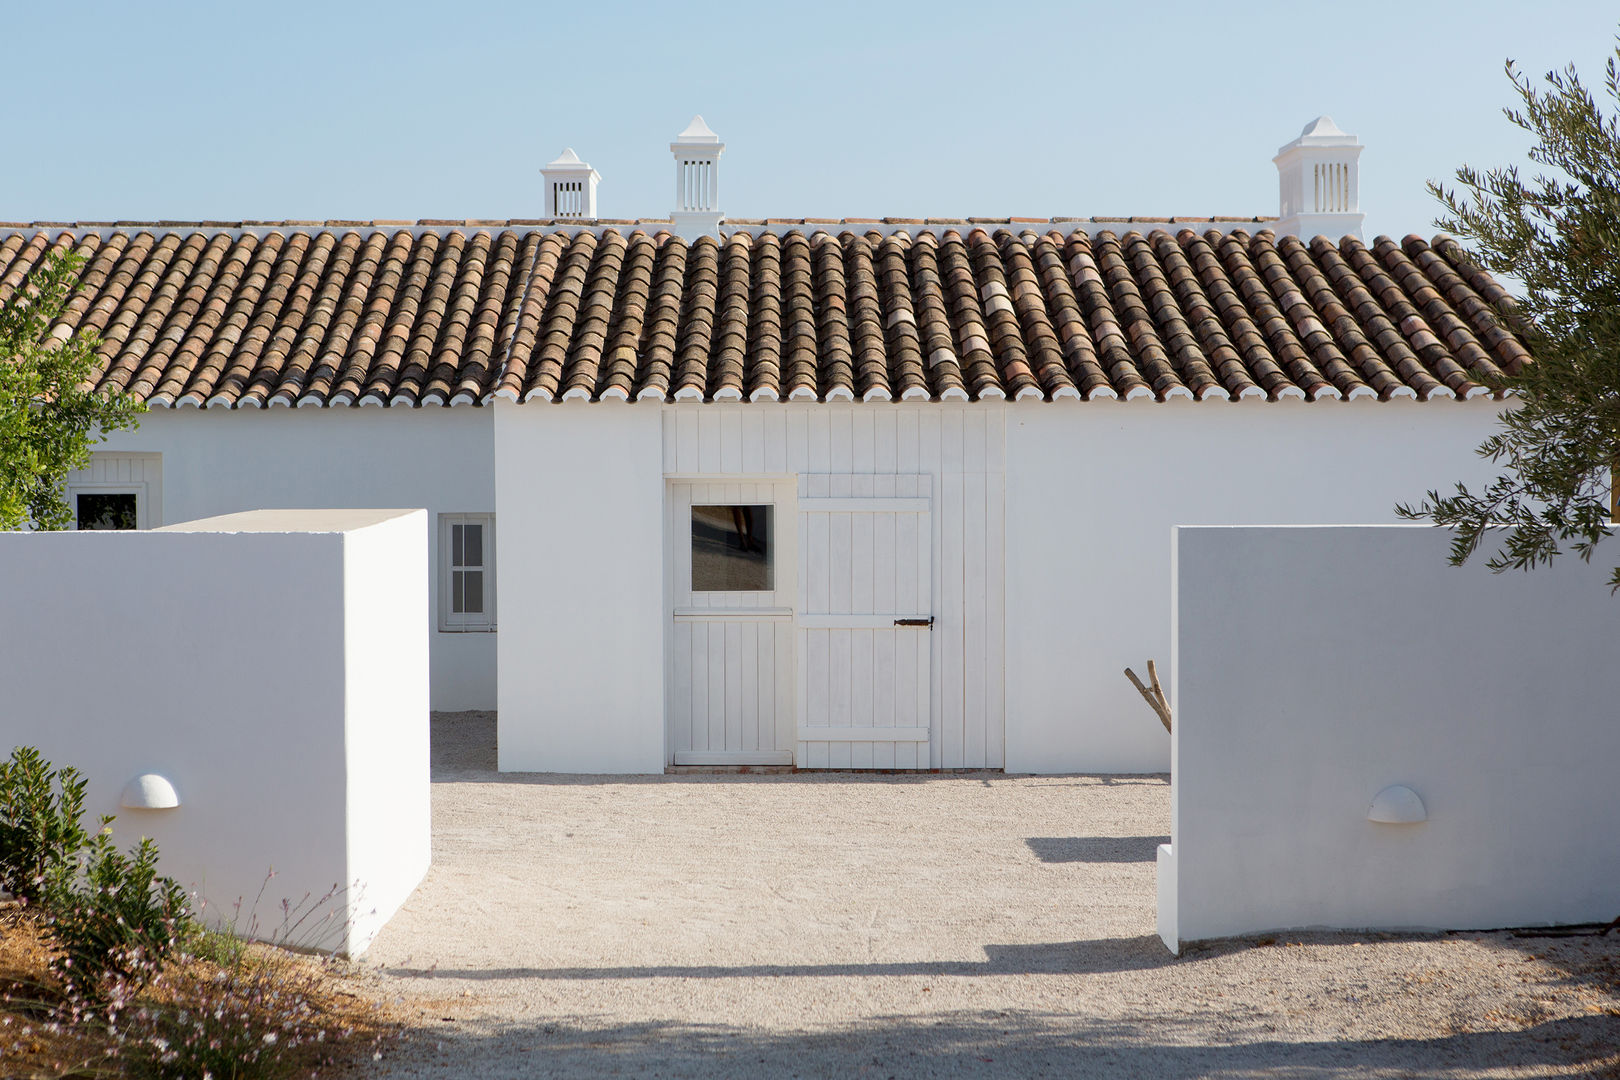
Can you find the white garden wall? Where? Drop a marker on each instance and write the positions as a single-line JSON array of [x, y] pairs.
[[271, 665], [1093, 490], [1314, 667], [217, 461], [580, 532]]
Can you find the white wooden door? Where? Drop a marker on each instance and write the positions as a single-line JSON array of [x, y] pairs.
[[865, 620], [730, 694]]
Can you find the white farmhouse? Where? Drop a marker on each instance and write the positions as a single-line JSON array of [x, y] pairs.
[[866, 494]]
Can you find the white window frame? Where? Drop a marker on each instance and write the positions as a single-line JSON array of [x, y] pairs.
[[452, 622], [101, 476], [137, 489]]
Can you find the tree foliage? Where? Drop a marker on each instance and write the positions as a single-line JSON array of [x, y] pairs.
[[50, 415], [1559, 234]]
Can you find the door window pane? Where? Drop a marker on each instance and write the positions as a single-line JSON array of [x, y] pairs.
[[732, 549], [106, 510]]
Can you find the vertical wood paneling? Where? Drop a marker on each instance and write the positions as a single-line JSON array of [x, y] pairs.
[[775, 439], [884, 700], [885, 444], [861, 692], [785, 678], [995, 620], [717, 685], [995, 444], [928, 463], [700, 686], [680, 735], [951, 454], [906, 441], [885, 536], [926, 652], [871, 672], [839, 571], [816, 675], [731, 683], [732, 633], [731, 430], [681, 526], [753, 440], [863, 440], [820, 456], [974, 614], [975, 599], [687, 440], [797, 421], [949, 628], [841, 434], [708, 443]]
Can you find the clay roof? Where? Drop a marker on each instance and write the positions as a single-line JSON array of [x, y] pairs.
[[228, 314]]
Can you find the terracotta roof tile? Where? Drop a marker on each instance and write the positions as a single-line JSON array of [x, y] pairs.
[[254, 314], [763, 348]]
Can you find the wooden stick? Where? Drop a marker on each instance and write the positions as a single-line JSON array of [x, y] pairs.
[[1154, 697]]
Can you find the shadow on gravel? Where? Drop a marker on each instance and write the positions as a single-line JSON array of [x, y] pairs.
[[1058, 958], [1096, 849], [995, 1043]]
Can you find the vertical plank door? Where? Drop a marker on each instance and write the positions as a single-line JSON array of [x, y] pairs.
[[729, 699], [865, 616]]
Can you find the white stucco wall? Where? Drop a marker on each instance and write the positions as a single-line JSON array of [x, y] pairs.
[[218, 461], [580, 491], [253, 665], [1314, 667], [385, 711], [1092, 493]]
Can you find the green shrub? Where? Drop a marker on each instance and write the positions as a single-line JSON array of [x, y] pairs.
[[41, 836], [113, 918], [120, 924]]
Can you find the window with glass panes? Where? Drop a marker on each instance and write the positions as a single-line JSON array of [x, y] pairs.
[[467, 555]]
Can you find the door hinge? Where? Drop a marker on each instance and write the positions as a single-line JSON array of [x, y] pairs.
[[928, 622]]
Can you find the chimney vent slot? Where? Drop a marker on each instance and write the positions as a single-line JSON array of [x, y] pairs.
[[697, 153], [570, 187], [1318, 182]]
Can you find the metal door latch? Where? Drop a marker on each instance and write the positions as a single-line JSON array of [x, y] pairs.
[[928, 622]]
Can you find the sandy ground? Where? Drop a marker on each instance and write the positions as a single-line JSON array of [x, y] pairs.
[[980, 925]]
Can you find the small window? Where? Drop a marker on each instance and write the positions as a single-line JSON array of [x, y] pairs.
[[467, 578], [106, 510], [116, 491], [732, 549]]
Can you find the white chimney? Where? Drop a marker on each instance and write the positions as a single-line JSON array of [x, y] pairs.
[[570, 187], [1318, 183], [697, 153]]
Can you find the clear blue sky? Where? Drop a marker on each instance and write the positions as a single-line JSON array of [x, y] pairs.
[[411, 110]]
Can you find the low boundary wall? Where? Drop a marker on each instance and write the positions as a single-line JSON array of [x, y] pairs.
[[272, 666], [1317, 669]]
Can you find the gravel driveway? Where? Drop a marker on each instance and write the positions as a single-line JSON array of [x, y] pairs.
[[834, 925]]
